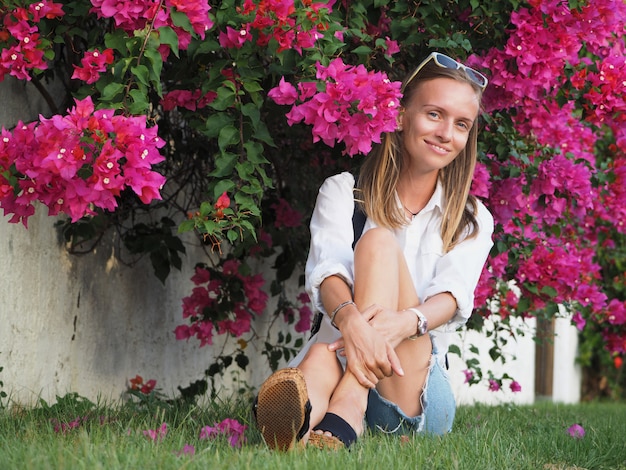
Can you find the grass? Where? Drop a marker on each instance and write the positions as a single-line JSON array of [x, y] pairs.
[[500, 437]]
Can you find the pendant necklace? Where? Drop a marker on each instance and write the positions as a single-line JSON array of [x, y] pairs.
[[413, 214]]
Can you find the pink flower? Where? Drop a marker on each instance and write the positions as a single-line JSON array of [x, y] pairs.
[[576, 431], [92, 64], [223, 201], [494, 385], [579, 321], [515, 387], [235, 38], [156, 435], [356, 107], [230, 428], [391, 47], [284, 93], [188, 449], [469, 375], [286, 216]]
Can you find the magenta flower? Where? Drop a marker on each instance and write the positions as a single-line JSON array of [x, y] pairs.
[[515, 387], [469, 375], [232, 429], [356, 107], [286, 216], [576, 431], [579, 321], [494, 385], [188, 449], [158, 434]]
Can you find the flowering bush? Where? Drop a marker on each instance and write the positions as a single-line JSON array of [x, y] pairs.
[[194, 93]]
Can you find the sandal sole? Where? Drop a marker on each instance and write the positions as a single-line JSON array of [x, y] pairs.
[[282, 408]]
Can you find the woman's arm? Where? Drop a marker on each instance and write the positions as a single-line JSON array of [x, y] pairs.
[[369, 356]]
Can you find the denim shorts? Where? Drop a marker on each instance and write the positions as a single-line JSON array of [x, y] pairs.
[[438, 407]]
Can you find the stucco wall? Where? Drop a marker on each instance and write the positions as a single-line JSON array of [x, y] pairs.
[[87, 324]]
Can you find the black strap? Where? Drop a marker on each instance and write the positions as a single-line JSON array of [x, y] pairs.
[[358, 222]]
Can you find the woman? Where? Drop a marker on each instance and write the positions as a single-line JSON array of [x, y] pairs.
[[389, 303]]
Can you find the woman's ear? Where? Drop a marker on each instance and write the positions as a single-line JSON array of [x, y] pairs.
[[400, 120]]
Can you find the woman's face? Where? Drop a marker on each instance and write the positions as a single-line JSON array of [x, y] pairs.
[[436, 123]]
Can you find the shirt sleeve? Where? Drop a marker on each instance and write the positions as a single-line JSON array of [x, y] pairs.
[[459, 270], [330, 252]]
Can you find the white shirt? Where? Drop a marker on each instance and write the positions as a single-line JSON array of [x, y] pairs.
[[432, 270]]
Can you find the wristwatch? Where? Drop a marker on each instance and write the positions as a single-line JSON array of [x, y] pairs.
[[422, 324]]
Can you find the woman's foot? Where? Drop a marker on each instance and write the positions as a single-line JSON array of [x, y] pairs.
[[332, 433], [343, 421], [282, 409]]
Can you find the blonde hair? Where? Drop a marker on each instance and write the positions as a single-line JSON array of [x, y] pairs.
[[380, 173]]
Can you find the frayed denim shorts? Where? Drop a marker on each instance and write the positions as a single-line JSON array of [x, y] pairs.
[[438, 406]]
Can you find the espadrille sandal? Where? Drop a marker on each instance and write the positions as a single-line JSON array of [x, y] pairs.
[[343, 435], [282, 409]]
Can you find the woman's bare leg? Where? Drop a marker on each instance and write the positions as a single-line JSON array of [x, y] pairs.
[[322, 373], [382, 277]]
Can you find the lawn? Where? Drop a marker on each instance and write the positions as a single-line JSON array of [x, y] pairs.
[[75, 433]]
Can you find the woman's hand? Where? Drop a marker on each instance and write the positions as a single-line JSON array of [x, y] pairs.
[[369, 355], [393, 325]]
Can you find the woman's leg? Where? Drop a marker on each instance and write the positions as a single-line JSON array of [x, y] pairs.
[[382, 277], [322, 373]]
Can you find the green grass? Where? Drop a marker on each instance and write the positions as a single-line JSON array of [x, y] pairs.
[[501, 437]]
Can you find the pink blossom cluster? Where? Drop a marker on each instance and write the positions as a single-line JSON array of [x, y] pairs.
[[568, 270], [92, 65], [550, 46], [131, 15], [304, 313], [156, 435], [64, 428], [356, 106], [22, 48], [286, 216], [76, 162], [230, 428], [277, 20], [215, 291], [191, 100]]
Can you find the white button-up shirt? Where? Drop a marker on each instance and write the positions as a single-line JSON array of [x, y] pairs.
[[432, 270]]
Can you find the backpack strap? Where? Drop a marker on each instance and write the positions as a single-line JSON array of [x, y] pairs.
[[358, 222]]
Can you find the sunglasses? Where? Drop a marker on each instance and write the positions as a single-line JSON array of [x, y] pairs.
[[449, 63]]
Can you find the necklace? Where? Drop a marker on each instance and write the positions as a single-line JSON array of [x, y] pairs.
[[413, 214]]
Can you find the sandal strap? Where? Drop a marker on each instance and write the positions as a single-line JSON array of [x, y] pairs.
[[338, 427]]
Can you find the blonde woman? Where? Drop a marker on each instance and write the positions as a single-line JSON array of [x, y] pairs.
[[389, 302]]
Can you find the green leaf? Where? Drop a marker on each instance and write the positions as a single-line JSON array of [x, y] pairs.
[[223, 186], [216, 122], [454, 349], [228, 135], [112, 91], [186, 226], [169, 37], [142, 73], [140, 104], [224, 165]]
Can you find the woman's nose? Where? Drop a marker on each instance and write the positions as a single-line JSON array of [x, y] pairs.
[[444, 130]]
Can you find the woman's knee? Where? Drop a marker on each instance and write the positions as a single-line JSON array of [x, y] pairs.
[[376, 241], [318, 356]]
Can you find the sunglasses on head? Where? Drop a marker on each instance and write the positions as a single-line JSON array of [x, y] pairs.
[[446, 62]]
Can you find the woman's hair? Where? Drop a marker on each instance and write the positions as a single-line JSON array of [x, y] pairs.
[[381, 170]]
